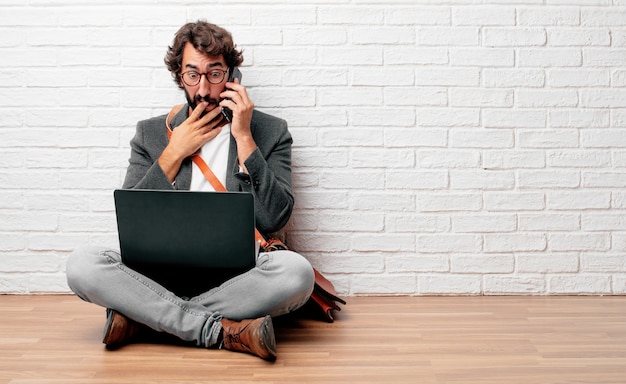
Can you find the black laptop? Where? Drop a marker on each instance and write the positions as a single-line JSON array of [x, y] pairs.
[[187, 241]]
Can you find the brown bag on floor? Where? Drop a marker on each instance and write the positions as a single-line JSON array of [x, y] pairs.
[[324, 295]]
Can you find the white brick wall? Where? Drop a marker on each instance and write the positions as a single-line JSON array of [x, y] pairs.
[[440, 147]]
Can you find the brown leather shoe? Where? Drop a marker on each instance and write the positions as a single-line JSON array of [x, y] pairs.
[[255, 336], [119, 330]]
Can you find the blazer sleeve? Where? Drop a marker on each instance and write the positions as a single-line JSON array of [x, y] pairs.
[[146, 146], [269, 174]]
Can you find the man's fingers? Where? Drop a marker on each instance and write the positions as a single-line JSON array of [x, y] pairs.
[[197, 111]]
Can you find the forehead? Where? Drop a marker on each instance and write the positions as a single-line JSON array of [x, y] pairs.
[[192, 58]]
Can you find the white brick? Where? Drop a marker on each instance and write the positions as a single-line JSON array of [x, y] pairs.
[[448, 36], [480, 97], [482, 57], [605, 138], [28, 221], [11, 242], [578, 200], [618, 78], [513, 37], [599, 262], [546, 98], [448, 117], [366, 137], [514, 242], [604, 179], [419, 15], [482, 180], [415, 223], [286, 98], [591, 241], [13, 283], [578, 118], [548, 16], [482, 263], [376, 158], [313, 77], [481, 139], [448, 159], [393, 202], [47, 282], [449, 284], [396, 242], [415, 137], [353, 180], [302, 35], [287, 56], [417, 180], [547, 263], [328, 158], [501, 118], [602, 98], [546, 139], [448, 202], [422, 96], [375, 77], [382, 35], [348, 96], [579, 158], [390, 284], [348, 15], [549, 222], [483, 15], [422, 56], [496, 77], [513, 159], [602, 57], [514, 201], [581, 37], [549, 57], [511, 284], [603, 221], [447, 76], [417, 263], [327, 56], [544, 179], [578, 77], [301, 15], [579, 284], [483, 223], [603, 16], [352, 222], [396, 117]]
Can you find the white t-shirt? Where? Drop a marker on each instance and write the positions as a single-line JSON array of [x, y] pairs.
[[215, 155]]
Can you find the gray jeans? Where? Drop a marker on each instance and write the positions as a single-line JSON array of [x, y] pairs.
[[281, 282]]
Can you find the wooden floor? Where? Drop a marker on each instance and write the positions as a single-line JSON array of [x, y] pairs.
[[57, 339]]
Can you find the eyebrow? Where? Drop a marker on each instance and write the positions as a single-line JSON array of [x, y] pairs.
[[211, 65]]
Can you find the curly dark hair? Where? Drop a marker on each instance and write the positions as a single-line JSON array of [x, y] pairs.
[[205, 37]]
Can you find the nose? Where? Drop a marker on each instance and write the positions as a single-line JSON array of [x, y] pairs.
[[203, 85]]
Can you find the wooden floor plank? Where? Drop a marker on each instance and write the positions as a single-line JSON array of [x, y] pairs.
[[54, 339]]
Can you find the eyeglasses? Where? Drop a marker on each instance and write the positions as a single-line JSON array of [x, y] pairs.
[[192, 78]]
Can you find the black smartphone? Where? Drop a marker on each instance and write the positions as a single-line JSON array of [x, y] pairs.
[[235, 73]]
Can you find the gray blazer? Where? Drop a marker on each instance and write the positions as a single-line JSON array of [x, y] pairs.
[[269, 166]]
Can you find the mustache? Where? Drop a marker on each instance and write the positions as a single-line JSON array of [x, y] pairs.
[[206, 98]]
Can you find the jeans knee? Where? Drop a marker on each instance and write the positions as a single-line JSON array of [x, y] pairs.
[[302, 271], [81, 269]]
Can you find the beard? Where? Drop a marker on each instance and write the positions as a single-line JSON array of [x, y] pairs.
[[193, 102]]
